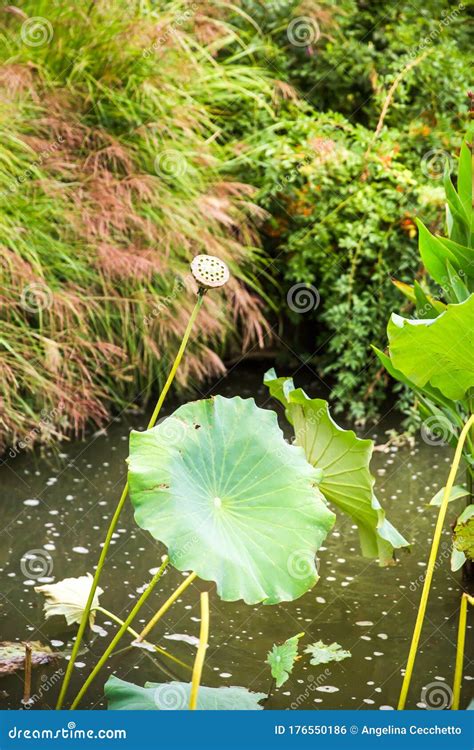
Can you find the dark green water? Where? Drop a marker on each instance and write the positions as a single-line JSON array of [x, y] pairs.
[[62, 505]]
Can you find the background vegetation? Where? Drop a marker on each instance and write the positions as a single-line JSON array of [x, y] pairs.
[[135, 135]]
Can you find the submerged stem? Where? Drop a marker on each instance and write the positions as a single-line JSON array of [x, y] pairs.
[[165, 607], [119, 508], [431, 564], [201, 652], [120, 633]]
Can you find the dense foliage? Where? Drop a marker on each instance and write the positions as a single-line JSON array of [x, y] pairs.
[[131, 136]]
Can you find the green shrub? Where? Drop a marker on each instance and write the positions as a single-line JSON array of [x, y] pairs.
[[343, 200]]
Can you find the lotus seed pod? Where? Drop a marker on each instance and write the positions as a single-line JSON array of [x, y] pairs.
[[210, 272]]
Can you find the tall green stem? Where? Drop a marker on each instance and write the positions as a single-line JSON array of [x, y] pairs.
[[118, 510], [431, 564], [465, 600], [201, 652], [120, 633], [136, 635], [165, 607]]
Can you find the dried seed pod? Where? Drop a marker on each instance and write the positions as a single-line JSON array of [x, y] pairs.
[[210, 272]]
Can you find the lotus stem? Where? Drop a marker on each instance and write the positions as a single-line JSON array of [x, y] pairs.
[[27, 685], [465, 600], [133, 632], [120, 633], [119, 508], [431, 564], [201, 652], [165, 607]]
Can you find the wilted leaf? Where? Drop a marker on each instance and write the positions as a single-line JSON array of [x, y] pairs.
[[220, 486], [12, 656], [322, 654], [282, 659], [69, 598], [174, 696]]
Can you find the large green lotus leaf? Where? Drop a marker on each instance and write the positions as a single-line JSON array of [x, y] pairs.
[[174, 696], [231, 499], [438, 352], [282, 659], [342, 460]]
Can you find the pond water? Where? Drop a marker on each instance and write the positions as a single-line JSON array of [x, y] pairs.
[[62, 504]]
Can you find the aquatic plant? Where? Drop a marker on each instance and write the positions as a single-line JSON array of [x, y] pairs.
[[216, 482], [202, 275], [432, 354], [342, 462]]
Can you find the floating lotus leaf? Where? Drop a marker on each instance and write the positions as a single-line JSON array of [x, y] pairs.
[[220, 486], [436, 352], [69, 597], [174, 696], [282, 659], [322, 654], [342, 461]]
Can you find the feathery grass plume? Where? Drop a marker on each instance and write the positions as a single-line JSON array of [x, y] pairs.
[[112, 177]]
